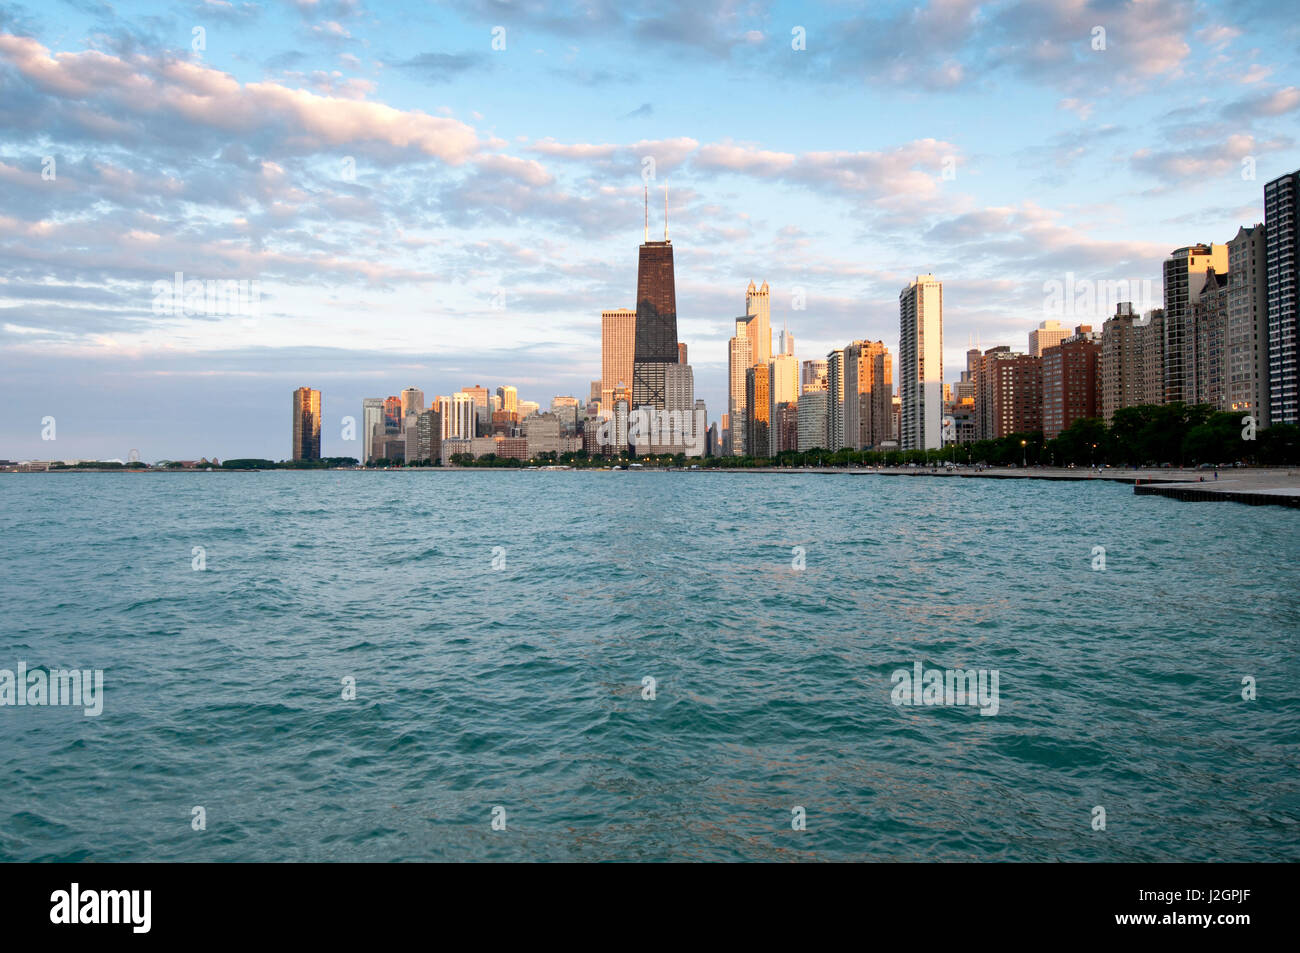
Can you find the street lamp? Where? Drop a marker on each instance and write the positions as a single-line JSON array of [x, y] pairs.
[[1024, 458], [1093, 457]]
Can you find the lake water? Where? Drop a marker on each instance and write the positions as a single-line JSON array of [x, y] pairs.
[[499, 627]]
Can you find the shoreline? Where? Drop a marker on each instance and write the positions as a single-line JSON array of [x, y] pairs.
[[1257, 486]]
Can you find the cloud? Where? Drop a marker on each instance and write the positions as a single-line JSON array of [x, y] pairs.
[[1077, 106], [903, 176], [150, 95], [1219, 159], [443, 67], [1274, 103], [946, 44]]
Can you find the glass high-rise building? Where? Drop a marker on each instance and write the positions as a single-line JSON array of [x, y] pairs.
[[1282, 251], [740, 358], [372, 417], [758, 401], [306, 424]]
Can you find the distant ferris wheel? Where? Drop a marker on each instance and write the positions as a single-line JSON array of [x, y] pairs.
[[133, 456]]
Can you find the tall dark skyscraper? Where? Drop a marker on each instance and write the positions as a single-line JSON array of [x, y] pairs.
[[1282, 244], [656, 318]]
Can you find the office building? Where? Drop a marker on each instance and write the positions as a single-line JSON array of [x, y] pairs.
[[785, 401], [740, 358], [812, 376], [412, 402], [758, 306], [1047, 334], [306, 424], [758, 402], [656, 318], [372, 419], [617, 352]]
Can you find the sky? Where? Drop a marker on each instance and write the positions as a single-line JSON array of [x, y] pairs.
[[441, 196]]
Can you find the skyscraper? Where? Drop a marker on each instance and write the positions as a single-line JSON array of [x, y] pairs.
[[812, 420], [412, 402], [656, 318], [1246, 376], [1070, 378], [617, 352], [920, 363], [482, 410], [1121, 365], [677, 427], [787, 342], [812, 376], [1184, 272], [758, 303], [428, 436], [458, 416], [392, 414], [835, 399], [1047, 334], [372, 416], [509, 397], [740, 358], [868, 393], [565, 409], [1206, 349], [758, 401], [785, 402], [1282, 240], [1009, 394], [306, 424]]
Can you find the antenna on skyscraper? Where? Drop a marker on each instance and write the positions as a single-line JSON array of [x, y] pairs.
[[647, 213], [665, 211]]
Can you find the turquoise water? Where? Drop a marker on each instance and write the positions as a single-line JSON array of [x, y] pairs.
[[522, 687]]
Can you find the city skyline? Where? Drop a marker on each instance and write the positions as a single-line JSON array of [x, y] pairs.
[[1209, 343], [397, 213]]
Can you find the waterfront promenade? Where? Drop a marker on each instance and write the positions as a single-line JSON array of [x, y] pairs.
[[1278, 486]]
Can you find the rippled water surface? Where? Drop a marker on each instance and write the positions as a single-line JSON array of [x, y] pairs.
[[523, 687]]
